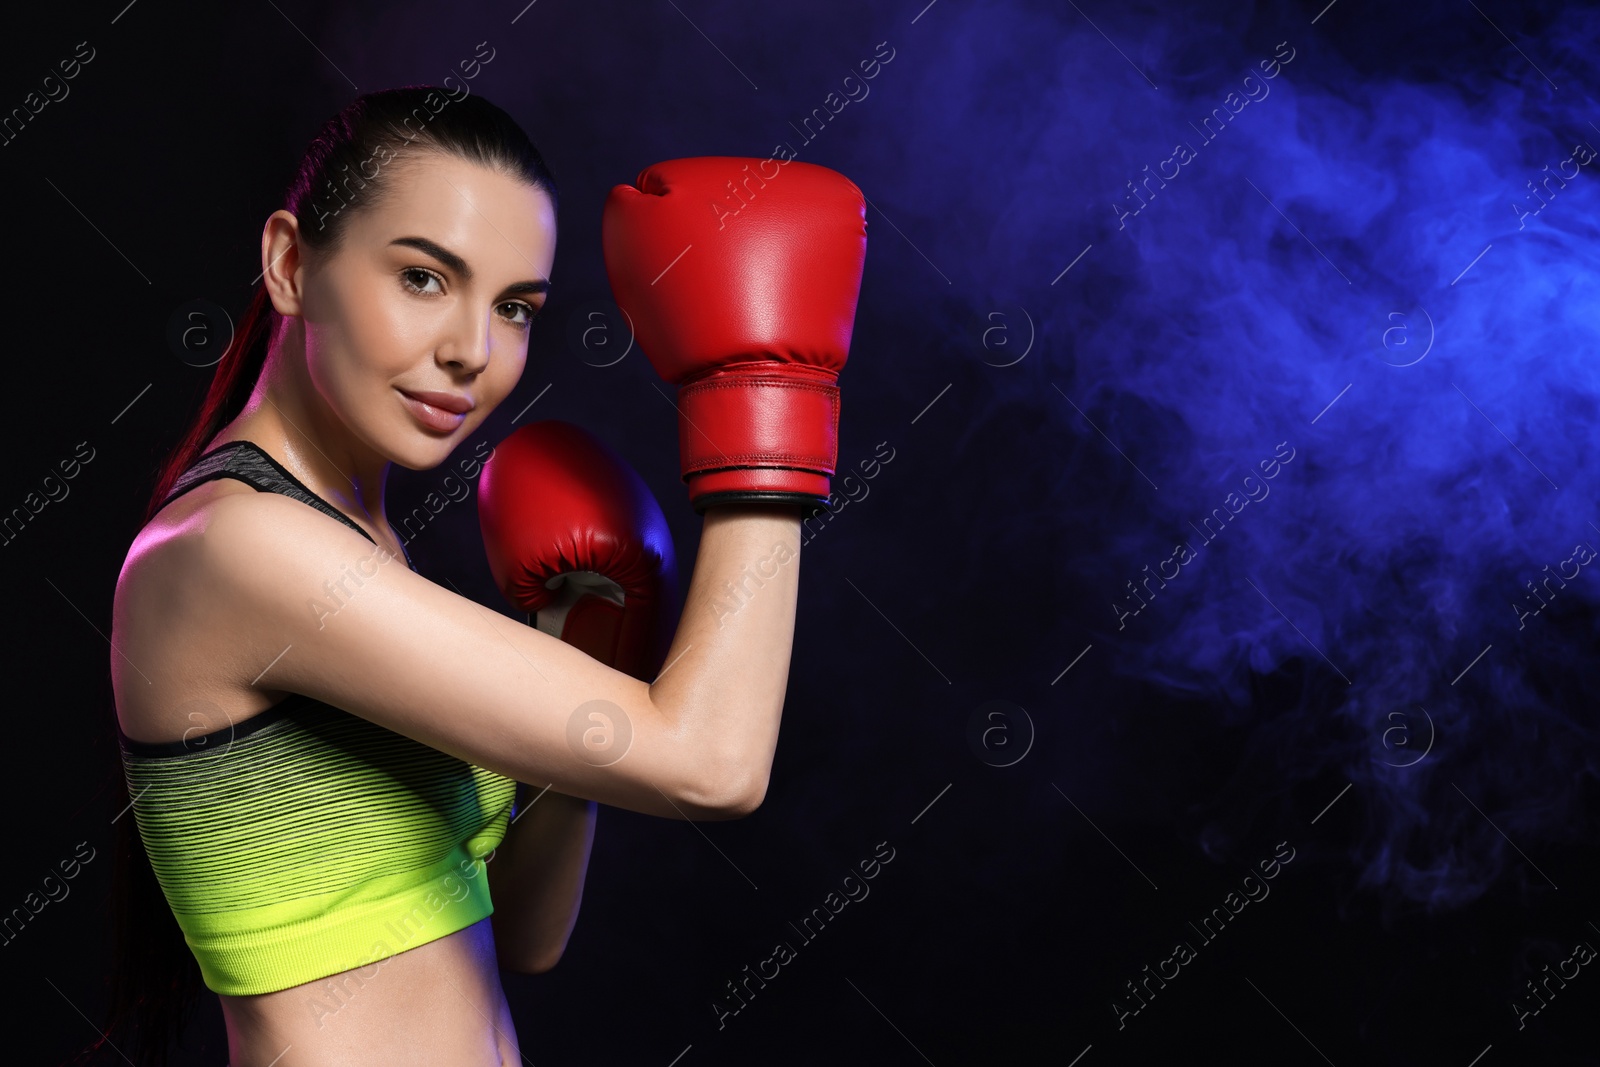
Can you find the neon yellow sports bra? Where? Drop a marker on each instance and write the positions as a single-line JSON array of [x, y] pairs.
[[306, 841]]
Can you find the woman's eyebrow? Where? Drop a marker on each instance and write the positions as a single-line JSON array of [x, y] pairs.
[[459, 265]]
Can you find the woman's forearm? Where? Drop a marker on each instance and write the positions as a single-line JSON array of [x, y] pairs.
[[536, 877], [723, 682]]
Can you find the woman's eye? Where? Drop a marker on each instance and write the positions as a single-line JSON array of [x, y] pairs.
[[417, 272], [528, 312]]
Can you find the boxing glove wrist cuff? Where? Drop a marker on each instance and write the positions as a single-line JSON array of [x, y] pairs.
[[756, 486], [761, 426], [809, 506]]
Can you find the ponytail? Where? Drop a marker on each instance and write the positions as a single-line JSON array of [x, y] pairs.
[[235, 379]]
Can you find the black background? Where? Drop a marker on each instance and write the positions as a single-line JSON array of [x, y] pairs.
[[1020, 898]]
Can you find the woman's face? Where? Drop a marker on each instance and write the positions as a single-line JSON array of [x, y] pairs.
[[432, 291]]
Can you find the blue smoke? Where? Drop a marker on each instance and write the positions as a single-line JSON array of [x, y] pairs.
[[1389, 275]]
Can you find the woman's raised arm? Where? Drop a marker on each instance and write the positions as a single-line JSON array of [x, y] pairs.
[[328, 614]]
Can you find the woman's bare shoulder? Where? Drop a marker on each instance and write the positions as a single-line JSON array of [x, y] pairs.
[[168, 636], [153, 570]]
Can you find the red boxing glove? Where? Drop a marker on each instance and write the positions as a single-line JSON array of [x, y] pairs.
[[741, 278], [576, 539]]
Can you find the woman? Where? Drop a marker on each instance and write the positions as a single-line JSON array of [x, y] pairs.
[[420, 278]]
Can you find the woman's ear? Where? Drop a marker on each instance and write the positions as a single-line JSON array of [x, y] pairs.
[[281, 263]]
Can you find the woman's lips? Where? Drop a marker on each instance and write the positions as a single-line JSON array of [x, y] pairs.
[[432, 418]]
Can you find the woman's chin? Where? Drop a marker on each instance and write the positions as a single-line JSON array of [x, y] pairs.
[[414, 450]]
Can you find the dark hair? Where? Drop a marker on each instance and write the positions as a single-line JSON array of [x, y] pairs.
[[156, 982]]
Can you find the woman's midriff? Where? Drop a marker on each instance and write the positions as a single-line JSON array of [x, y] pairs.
[[439, 1004]]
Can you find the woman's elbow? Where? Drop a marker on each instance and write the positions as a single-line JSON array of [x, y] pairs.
[[539, 964], [755, 791], [733, 792], [537, 961]]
